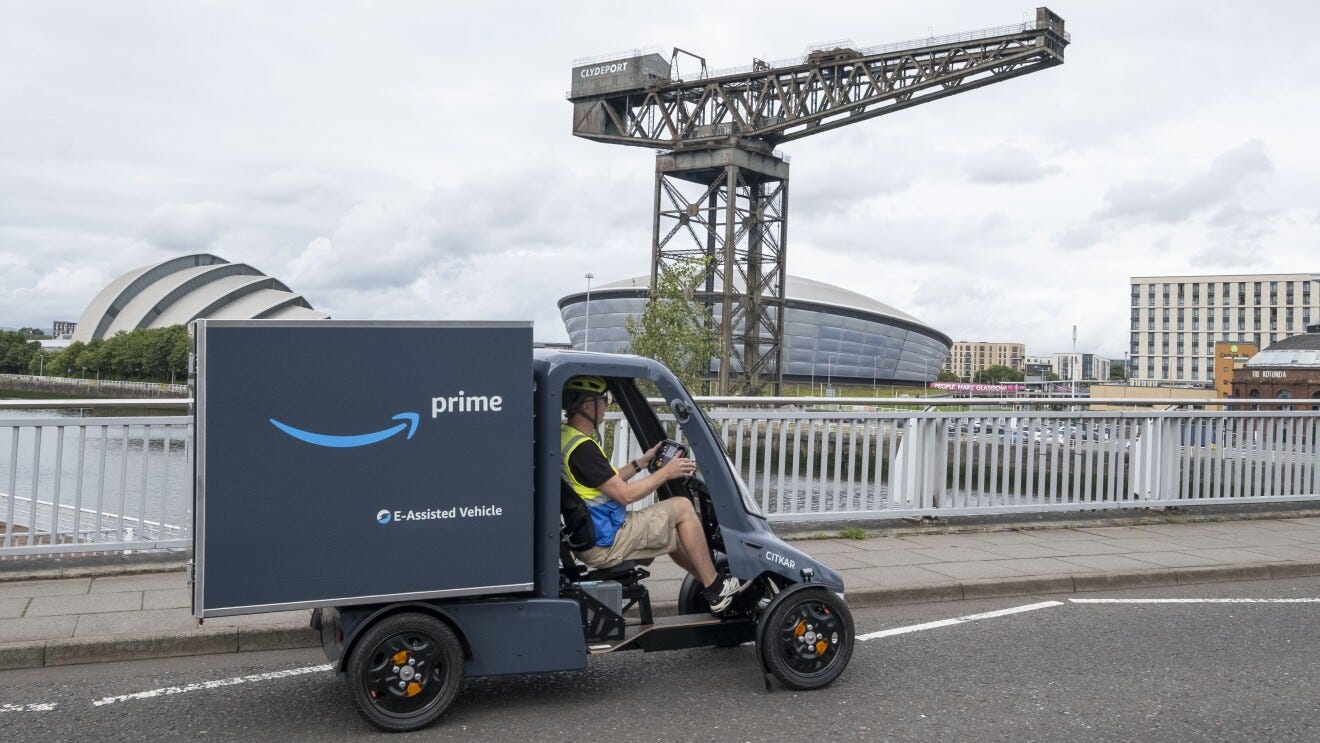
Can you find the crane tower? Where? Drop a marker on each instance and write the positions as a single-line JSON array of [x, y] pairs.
[[721, 187]]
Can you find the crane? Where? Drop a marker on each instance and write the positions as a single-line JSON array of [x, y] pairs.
[[721, 186]]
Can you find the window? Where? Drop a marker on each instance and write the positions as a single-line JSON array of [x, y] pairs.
[[1136, 294], [1288, 293]]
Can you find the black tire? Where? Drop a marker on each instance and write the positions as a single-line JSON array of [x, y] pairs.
[[807, 639], [416, 650]]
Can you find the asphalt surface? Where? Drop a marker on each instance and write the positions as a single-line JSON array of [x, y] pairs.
[[1064, 670], [62, 614]]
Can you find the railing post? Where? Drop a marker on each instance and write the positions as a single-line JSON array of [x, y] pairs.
[[918, 468]]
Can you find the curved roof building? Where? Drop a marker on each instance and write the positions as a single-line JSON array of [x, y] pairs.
[[829, 332], [183, 289]]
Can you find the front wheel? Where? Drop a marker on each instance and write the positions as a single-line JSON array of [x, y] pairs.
[[405, 671], [807, 639]]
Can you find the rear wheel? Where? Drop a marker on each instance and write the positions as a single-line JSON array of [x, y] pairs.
[[807, 639], [405, 671]]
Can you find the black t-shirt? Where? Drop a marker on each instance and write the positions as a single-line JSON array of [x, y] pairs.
[[589, 465]]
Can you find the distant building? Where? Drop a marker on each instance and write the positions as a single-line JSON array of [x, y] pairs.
[[1080, 367], [1229, 357], [61, 328], [1176, 320], [831, 335], [180, 290], [966, 358], [1288, 369]]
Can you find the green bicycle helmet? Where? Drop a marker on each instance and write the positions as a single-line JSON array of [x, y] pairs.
[[580, 389], [593, 385]]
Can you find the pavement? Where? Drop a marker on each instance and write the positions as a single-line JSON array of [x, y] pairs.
[[57, 612]]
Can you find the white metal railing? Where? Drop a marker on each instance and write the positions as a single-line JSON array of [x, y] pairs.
[[99, 484], [82, 484], [851, 464]]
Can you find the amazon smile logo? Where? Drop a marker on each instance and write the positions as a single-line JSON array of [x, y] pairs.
[[446, 405], [336, 441]]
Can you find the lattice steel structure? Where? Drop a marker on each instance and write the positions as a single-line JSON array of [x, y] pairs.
[[719, 132]]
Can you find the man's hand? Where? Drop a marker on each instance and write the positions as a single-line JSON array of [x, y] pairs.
[[678, 467], [646, 459]]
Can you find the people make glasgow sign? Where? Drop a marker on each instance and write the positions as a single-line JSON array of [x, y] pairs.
[[972, 387]]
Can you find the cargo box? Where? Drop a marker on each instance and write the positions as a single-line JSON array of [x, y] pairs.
[[343, 463]]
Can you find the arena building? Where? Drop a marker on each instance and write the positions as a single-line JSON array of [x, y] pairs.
[[830, 334], [180, 290]]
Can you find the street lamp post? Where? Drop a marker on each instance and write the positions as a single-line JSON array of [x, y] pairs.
[[829, 374], [586, 336], [875, 369]]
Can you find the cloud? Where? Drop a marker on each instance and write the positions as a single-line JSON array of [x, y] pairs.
[[1006, 164], [1234, 237], [186, 228], [301, 188], [1153, 201]]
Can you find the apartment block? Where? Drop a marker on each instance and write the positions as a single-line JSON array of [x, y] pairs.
[[1177, 320], [1080, 367], [966, 358]]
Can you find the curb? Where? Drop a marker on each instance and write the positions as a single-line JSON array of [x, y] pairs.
[[80, 650], [17, 655], [93, 571]]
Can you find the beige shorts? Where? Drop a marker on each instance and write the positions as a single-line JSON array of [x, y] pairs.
[[644, 536]]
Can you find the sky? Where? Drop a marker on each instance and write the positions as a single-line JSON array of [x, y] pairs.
[[414, 161]]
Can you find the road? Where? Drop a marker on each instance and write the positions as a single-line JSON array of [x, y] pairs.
[[1056, 669]]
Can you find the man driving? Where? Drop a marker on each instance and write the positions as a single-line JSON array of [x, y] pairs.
[[669, 526]]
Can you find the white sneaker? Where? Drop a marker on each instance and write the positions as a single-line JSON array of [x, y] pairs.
[[720, 600]]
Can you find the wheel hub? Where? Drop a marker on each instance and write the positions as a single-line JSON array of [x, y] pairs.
[[399, 681], [812, 634]]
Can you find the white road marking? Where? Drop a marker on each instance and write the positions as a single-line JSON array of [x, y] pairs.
[[1196, 601], [203, 685], [37, 707], [957, 620]]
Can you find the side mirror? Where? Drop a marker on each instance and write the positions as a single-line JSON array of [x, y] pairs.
[[682, 411]]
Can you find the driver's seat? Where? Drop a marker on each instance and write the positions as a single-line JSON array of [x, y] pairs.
[[629, 574]]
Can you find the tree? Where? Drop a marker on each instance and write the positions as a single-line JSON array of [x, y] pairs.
[[998, 373], [1116, 370], [946, 376], [675, 330], [16, 352]]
